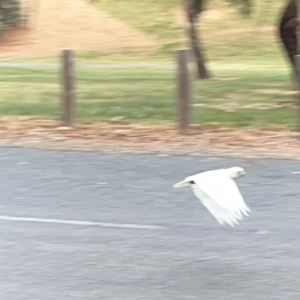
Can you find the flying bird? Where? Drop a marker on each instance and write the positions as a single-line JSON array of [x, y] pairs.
[[219, 193]]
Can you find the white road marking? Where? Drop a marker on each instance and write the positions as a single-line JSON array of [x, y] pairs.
[[79, 223]]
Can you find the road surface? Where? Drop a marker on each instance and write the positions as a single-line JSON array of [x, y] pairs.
[[89, 225]]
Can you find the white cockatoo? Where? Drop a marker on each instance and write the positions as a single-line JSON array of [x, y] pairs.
[[219, 193]]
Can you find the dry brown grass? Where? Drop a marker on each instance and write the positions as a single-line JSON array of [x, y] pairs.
[[56, 24], [164, 139]]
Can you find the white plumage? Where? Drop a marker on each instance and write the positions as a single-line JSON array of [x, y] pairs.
[[219, 193]]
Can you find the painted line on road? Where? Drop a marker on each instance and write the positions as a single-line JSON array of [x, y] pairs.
[[79, 223]]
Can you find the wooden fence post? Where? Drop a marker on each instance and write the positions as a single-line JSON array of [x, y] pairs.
[[68, 87], [183, 90]]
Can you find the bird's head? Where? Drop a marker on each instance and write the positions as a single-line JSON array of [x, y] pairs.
[[236, 172]]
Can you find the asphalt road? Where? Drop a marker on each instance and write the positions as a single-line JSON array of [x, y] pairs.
[[190, 256]]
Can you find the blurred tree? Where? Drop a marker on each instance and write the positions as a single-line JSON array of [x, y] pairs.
[[193, 9], [287, 25], [287, 30], [10, 14]]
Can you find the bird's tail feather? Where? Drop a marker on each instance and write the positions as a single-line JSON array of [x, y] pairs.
[[181, 184]]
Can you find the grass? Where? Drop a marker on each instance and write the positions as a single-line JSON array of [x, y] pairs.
[[152, 17], [147, 94], [224, 32], [243, 54]]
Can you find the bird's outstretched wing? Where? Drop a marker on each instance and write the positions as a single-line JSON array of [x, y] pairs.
[[221, 196]]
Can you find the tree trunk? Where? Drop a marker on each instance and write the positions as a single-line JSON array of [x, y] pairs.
[[287, 31], [289, 34], [202, 71], [298, 28]]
